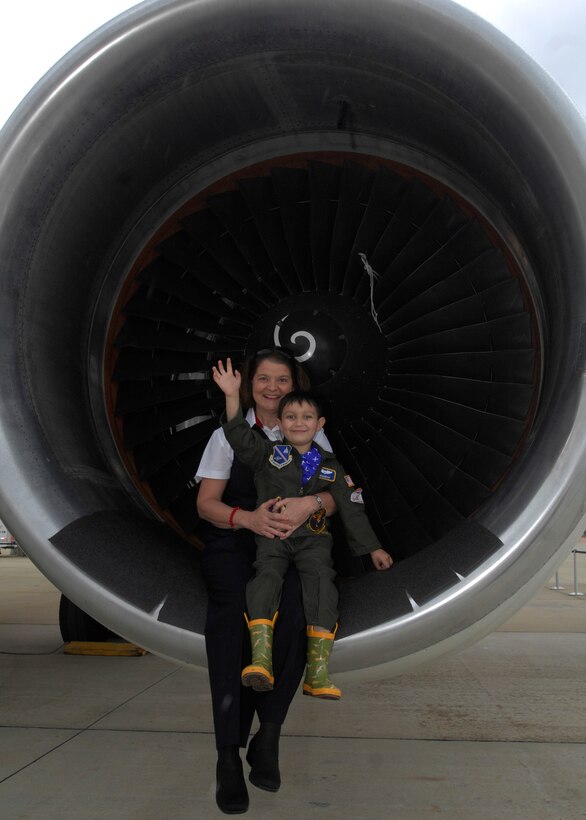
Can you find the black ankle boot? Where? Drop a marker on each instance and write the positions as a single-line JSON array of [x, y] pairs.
[[231, 791], [263, 756]]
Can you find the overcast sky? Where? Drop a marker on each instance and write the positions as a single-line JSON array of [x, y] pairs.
[[35, 34]]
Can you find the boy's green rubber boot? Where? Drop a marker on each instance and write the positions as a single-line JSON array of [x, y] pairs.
[[259, 674], [317, 682]]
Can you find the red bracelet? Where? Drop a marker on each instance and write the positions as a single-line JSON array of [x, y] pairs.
[[231, 519]]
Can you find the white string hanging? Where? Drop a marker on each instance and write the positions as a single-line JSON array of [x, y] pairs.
[[372, 275]]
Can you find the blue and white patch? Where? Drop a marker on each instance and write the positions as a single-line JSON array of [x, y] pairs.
[[327, 474], [281, 456]]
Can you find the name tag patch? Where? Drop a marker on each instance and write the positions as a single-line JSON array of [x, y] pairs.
[[281, 456], [327, 474]]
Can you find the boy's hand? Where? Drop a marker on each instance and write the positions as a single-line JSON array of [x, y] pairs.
[[228, 380], [381, 559]]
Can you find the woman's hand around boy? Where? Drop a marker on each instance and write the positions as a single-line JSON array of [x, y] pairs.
[[381, 559], [296, 510], [276, 519], [265, 520]]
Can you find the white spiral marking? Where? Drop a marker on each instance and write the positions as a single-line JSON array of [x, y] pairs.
[[304, 334], [312, 344]]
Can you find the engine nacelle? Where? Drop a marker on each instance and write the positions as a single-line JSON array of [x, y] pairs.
[[392, 189]]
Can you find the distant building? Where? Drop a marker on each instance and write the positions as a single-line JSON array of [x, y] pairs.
[[6, 538]]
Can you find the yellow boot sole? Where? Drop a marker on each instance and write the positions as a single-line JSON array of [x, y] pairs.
[[258, 678], [329, 692]]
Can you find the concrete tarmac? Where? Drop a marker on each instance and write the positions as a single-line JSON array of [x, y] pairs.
[[497, 731]]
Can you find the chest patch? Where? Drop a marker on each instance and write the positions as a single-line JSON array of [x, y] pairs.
[[281, 456], [327, 474]]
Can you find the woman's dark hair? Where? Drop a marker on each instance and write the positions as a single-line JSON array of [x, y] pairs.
[[280, 355]]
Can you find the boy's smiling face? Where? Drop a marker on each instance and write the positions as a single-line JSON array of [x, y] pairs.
[[299, 424]]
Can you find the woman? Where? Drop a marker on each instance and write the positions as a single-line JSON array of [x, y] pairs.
[[227, 502]]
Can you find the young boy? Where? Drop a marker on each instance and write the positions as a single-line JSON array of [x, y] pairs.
[[296, 467]]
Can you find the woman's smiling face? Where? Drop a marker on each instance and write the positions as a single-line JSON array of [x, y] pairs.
[[271, 381]]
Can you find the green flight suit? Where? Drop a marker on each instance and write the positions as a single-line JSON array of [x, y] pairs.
[[277, 472]]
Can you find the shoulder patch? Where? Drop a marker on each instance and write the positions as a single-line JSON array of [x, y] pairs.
[[327, 474]]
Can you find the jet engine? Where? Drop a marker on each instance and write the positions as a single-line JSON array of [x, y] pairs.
[[392, 190]]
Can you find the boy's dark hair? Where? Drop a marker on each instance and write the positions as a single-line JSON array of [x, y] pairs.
[[300, 397]]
